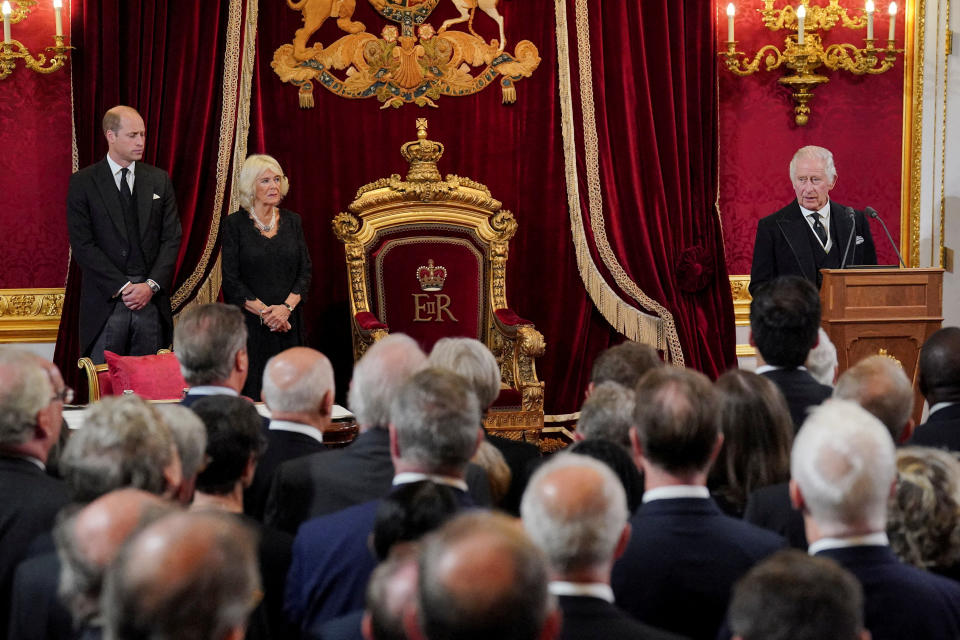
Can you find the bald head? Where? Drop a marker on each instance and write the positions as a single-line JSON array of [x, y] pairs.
[[188, 575], [940, 366], [299, 382], [89, 540], [879, 385], [378, 375], [575, 510], [481, 577]]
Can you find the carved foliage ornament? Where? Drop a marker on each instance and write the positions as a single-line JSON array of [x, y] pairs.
[[410, 62]]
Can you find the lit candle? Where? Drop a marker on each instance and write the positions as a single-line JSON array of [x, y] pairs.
[[57, 6], [893, 20], [869, 19], [730, 12], [6, 21], [801, 14]]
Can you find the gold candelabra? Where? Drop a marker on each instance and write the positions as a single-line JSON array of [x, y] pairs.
[[11, 50], [803, 51]]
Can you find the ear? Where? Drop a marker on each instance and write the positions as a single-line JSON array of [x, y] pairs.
[[326, 404], [480, 435], [249, 470], [636, 448], [394, 446], [241, 361], [578, 437], [716, 448], [893, 486], [590, 387], [173, 474], [552, 625], [623, 541], [751, 340], [235, 633], [411, 624], [835, 179], [366, 626], [796, 497], [908, 431]]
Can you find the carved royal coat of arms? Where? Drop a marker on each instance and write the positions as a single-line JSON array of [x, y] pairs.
[[411, 62]]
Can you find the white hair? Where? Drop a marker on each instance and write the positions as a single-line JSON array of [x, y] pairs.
[[818, 153], [25, 389], [822, 359], [472, 360], [844, 463], [189, 435], [608, 414], [377, 376], [575, 531], [253, 168]]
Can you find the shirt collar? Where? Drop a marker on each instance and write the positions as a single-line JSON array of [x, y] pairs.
[[766, 368], [938, 406], [676, 491], [115, 168], [824, 211], [37, 461], [589, 589], [878, 539], [212, 390], [409, 477], [297, 427]]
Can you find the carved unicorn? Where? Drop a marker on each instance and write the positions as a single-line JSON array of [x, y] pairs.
[[469, 7]]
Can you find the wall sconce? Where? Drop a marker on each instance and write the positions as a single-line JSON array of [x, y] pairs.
[[804, 52], [12, 49]]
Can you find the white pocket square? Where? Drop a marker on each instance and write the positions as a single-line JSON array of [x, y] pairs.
[[156, 197], [859, 239]]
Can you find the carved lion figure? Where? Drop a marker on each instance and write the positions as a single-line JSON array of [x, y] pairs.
[[315, 13]]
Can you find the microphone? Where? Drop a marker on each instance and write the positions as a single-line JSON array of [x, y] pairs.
[[853, 230], [870, 211]]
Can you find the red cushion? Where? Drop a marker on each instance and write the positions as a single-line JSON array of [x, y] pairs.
[[368, 322], [154, 377], [508, 399], [106, 384], [510, 318]]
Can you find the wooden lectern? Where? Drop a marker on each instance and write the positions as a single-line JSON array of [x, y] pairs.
[[886, 311]]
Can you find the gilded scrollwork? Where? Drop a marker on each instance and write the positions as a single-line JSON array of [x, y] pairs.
[[30, 315]]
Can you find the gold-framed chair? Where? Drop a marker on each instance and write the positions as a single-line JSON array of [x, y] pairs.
[[99, 381], [427, 256]]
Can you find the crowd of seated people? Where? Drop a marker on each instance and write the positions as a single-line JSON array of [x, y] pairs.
[[672, 515]]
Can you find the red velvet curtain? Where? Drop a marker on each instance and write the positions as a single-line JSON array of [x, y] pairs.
[[657, 123], [164, 58]]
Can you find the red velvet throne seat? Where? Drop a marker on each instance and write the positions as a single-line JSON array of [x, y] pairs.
[[427, 257]]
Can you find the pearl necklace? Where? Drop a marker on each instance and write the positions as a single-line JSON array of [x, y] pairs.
[[266, 228]]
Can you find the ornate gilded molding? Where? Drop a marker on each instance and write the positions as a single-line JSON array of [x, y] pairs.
[[913, 132], [30, 315], [739, 289]]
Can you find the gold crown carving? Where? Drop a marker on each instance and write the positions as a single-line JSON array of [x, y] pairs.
[[431, 277], [422, 154]]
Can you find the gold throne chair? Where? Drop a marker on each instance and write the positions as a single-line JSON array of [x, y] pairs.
[[427, 256]]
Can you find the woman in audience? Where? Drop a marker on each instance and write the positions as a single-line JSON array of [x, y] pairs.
[[923, 521], [266, 265], [757, 433]]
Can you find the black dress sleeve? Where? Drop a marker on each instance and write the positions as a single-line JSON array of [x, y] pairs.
[[302, 284], [234, 290]]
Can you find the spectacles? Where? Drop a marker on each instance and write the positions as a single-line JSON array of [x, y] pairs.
[[65, 395]]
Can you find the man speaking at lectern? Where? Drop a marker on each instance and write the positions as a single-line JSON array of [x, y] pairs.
[[810, 233]]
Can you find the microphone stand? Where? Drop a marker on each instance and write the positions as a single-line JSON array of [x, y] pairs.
[[853, 229], [870, 211]]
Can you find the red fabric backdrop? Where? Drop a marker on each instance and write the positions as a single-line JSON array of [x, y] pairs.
[[859, 118], [35, 164]]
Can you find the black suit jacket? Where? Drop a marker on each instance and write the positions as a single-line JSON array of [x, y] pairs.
[[98, 238], [281, 446], [322, 483], [783, 248], [770, 508], [587, 618], [518, 456], [36, 612], [29, 502], [801, 391], [942, 429], [682, 561], [901, 602]]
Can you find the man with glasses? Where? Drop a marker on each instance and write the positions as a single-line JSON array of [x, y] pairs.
[[32, 395]]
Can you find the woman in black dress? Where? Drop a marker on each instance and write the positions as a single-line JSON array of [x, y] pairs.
[[266, 265]]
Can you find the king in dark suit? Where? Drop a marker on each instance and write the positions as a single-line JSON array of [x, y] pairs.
[[810, 233], [125, 235]]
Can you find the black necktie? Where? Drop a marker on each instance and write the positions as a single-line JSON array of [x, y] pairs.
[[819, 230], [125, 195]]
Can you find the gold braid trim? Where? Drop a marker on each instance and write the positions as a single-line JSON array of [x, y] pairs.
[[916, 138], [943, 150], [207, 291], [657, 330]]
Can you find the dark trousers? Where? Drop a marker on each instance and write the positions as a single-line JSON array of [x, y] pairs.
[[128, 332]]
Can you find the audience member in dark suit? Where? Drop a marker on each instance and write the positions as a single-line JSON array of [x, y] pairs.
[[923, 522], [607, 414], [810, 233], [757, 432], [322, 483], [793, 595], [473, 360], [434, 431], [620, 462], [575, 510], [234, 442], [124, 235], [31, 410], [187, 575], [123, 443], [190, 437], [210, 343], [298, 389], [784, 319], [842, 467], [939, 382], [88, 541], [684, 554], [880, 386], [481, 577]]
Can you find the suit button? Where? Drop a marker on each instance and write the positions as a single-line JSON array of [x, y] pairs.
[[123, 252]]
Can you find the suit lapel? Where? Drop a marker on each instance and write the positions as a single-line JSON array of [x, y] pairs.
[[795, 229], [107, 187], [144, 193]]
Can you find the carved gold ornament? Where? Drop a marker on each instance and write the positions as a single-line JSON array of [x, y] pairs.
[[409, 63]]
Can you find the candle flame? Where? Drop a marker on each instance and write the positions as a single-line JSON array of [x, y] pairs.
[[6, 8], [893, 8], [869, 6], [731, 10], [801, 11], [57, 4]]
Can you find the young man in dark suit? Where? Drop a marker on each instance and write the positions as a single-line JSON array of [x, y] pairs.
[[125, 235], [940, 384], [810, 233]]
